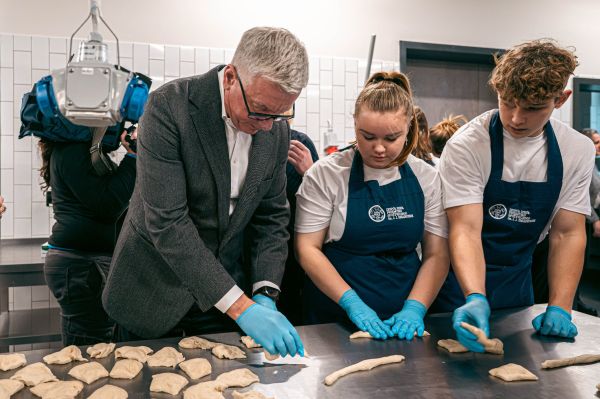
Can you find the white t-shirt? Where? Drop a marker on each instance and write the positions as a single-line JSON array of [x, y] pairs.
[[322, 199], [466, 163]]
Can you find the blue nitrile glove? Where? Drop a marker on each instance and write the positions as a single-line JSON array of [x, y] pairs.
[[271, 329], [363, 316], [555, 321], [265, 301], [475, 312], [409, 320]]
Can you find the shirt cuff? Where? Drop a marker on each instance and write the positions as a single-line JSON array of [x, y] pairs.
[[264, 283], [134, 156], [228, 299]]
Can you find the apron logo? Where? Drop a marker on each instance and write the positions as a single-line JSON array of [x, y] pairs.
[[497, 211], [376, 213]]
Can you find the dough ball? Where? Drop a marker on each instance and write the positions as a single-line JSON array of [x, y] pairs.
[[513, 372], [205, 390], [223, 351], [197, 343], [452, 345], [166, 357], [109, 392], [88, 372], [100, 350], [11, 386], [249, 395], [237, 378], [65, 355], [34, 374], [196, 368], [139, 353], [249, 342], [59, 389], [126, 369], [12, 361], [170, 383]]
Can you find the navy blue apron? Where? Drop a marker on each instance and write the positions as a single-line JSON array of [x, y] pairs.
[[376, 254], [514, 216]]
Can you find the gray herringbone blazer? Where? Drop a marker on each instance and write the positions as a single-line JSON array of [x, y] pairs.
[[178, 244]]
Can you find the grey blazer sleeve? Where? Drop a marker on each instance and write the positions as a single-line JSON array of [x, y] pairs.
[[268, 224], [162, 180]]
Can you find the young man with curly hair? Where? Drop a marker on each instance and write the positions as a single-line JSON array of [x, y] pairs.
[[510, 177]]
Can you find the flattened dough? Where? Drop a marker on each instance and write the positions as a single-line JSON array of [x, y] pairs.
[[12, 361], [494, 345], [139, 353], [166, 357], [109, 392], [239, 378], [205, 390], [65, 355], [249, 395], [513, 372], [126, 369], [58, 389], [88, 372], [100, 350], [268, 356], [11, 386], [197, 343], [362, 366], [570, 361], [196, 368], [223, 351], [170, 383], [34, 374], [365, 334], [452, 345], [249, 342]]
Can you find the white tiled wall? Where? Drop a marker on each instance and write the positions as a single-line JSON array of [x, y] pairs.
[[329, 98]]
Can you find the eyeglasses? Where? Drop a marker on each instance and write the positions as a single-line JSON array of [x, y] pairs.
[[258, 116]]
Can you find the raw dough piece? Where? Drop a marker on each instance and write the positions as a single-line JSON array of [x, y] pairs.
[[65, 355], [237, 378], [196, 368], [249, 395], [168, 382], [268, 356], [249, 342], [197, 343], [126, 369], [139, 353], [494, 345], [570, 361], [205, 390], [100, 350], [166, 357], [109, 392], [59, 389], [34, 374], [88, 372], [13, 361], [513, 372], [11, 386], [223, 351], [365, 334], [452, 345], [362, 366]]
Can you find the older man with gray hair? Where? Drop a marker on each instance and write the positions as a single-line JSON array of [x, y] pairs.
[[212, 154]]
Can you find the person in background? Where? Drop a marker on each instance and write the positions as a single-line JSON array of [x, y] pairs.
[[593, 135], [360, 215], [423, 148], [441, 133], [511, 176], [212, 153], [301, 156], [2, 206], [89, 211]]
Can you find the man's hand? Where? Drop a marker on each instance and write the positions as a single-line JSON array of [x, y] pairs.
[[299, 156], [477, 313], [555, 321], [264, 301], [409, 321], [125, 143]]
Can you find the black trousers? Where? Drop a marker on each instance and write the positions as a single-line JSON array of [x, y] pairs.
[[76, 280]]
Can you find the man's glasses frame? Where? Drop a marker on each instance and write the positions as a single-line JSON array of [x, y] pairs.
[[258, 115]]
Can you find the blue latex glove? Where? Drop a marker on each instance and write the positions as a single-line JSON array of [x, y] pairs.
[[363, 316], [270, 329], [475, 312], [555, 321], [265, 301], [409, 320]]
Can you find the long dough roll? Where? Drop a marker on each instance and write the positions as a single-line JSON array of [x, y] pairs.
[[362, 366], [570, 361]]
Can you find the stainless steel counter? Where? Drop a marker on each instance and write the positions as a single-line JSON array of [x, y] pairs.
[[427, 372]]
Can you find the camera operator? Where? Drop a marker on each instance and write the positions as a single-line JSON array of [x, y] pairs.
[[89, 211]]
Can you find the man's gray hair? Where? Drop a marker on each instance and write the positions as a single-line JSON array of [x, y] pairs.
[[275, 54]]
